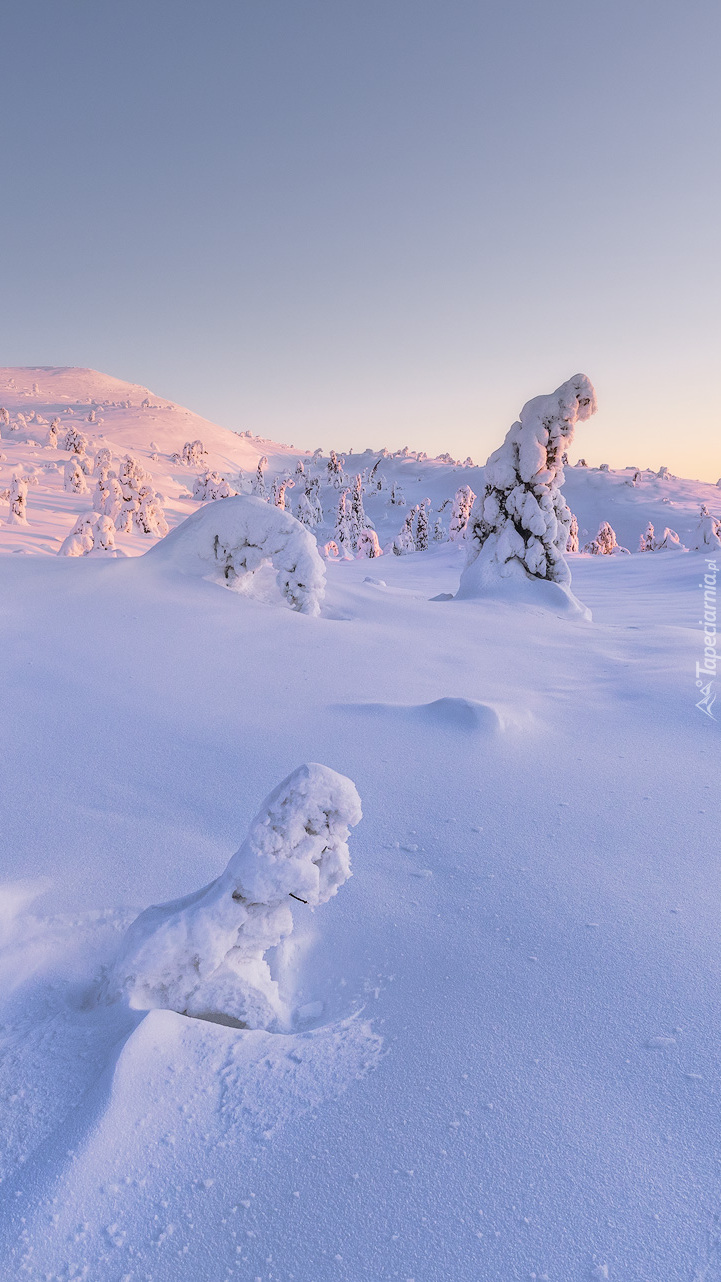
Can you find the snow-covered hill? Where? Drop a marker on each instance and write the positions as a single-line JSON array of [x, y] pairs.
[[127, 418]]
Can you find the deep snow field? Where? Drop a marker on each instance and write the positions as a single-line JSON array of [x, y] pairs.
[[501, 1059]]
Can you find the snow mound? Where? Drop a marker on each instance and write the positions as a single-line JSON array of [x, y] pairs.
[[447, 713], [204, 955], [228, 541]]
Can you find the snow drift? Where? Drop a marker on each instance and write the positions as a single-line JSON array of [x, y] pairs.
[[204, 955], [230, 540]]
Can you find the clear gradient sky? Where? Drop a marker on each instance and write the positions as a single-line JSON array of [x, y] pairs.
[[378, 222]]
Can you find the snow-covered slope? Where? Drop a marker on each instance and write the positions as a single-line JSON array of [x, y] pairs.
[[130, 419], [502, 1053]]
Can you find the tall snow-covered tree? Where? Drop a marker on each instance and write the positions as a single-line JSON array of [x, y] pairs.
[[648, 539], [52, 438], [397, 498], [520, 523], [258, 483], [335, 470], [405, 540], [344, 526], [280, 485], [422, 532], [460, 514]]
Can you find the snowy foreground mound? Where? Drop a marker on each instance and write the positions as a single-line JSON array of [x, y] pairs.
[[204, 954], [230, 540]]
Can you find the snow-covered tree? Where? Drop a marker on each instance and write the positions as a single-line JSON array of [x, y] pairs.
[[103, 460], [520, 524], [74, 477], [92, 417], [422, 531], [663, 474], [405, 540], [205, 954], [460, 515], [76, 442], [359, 520], [299, 472], [103, 537], [18, 495], [80, 539], [707, 533], [572, 541], [344, 526], [648, 539], [397, 498], [279, 488], [230, 540], [141, 507], [335, 470], [367, 544], [53, 431], [375, 478], [582, 463], [258, 483], [439, 531], [193, 454], [310, 511], [149, 517], [4, 416], [211, 485], [605, 542]]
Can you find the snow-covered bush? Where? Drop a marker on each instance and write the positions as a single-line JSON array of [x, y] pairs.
[[520, 523], [707, 533], [367, 544], [204, 955], [258, 482], [74, 477], [18, 496], [76, 442], [193, 454], [228, 541], [210, 485], [460, 515], [572, 542], [405, 540], [605, 542], [80, 539], [647, 541], [669, 542]]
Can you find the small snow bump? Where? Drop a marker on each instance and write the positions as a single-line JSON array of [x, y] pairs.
[[660, 1043]]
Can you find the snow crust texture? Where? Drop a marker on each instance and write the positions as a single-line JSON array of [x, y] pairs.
[[228, 541], [204, 954]]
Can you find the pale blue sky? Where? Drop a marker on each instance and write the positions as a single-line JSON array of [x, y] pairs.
[[382, 222]]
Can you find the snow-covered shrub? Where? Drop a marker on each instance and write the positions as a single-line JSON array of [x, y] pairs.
[[18, 496], [279, 488], [397, 496], [582, 463], [210, 485], [92, 417], [422, 531], [76, 442], [331, 551], [604, 468], [572, 542], [663, 474], [74, 477], [634, 480], [103, 460], [707, 533], [80, 539], [205, 954], [605, 542], [405, 540], [460, 515], [53, 431], [258, 483], [647, 542], [520, 523], [193, 454], [229, 540], [367, 544], [669, 542]]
